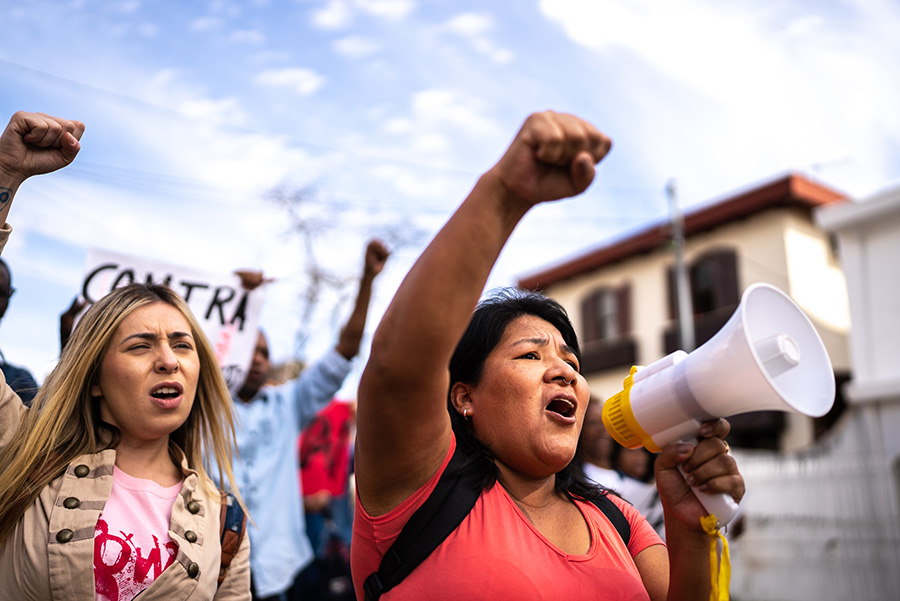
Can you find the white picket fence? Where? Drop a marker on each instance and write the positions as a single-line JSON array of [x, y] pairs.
[[822, 527]]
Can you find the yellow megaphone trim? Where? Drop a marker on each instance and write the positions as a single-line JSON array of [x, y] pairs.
[[619, 420]]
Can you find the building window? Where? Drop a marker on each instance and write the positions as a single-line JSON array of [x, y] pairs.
[[714, 296], [604, 314], [606, 338], [714, 283]]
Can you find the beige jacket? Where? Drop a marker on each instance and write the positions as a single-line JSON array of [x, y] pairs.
[[49, 554]]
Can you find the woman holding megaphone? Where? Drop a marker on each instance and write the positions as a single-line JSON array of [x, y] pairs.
[[502, 389]]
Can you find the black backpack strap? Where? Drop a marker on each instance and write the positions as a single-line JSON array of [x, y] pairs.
[[442, 512], [614, 515]]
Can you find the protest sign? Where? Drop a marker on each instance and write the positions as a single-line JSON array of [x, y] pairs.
[[227, 313]]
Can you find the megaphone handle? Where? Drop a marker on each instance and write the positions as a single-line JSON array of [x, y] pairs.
[[721, 505]]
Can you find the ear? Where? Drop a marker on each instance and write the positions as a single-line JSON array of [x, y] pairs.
[[96, 391], [460, 396]]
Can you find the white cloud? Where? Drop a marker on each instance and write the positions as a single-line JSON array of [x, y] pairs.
[[336, 14], [225, 7], [207, 23], [438, 107], [268, 57], [166, 89], [398, 126], [302, 81], [148, 30], [773, 86], [248, 36], [356, 46], [475, 28], [388, 9], [127, 7]]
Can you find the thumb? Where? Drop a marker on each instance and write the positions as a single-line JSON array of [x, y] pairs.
[[582, 171], [69, 147]]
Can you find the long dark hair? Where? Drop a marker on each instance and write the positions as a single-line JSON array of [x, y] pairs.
[[486, 328]]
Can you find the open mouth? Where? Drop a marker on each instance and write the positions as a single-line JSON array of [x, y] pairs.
[[563, 407], [166, 392]]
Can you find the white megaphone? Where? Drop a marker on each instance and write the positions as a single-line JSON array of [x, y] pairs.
[[768, 356]]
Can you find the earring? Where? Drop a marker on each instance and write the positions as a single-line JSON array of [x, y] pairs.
[[466, 413]]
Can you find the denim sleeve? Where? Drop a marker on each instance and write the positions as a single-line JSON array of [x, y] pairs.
[[318, 384]]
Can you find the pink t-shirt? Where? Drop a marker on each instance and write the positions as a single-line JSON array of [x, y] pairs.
[[496, 553], [131, 540]]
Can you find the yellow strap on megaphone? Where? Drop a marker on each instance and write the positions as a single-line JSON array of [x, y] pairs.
[[720, 572]]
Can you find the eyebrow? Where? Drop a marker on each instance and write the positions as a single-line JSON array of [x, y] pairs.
[[544, 342], [153, 337]]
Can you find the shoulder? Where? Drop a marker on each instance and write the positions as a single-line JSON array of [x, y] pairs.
[[642, 534]]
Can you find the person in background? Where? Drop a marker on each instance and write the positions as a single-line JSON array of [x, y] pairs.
[[326, 465], [103, 488], [626, 472], [18, 378], [325, 470], [270, 419], [600, 452], [504, 384], [67, 320]]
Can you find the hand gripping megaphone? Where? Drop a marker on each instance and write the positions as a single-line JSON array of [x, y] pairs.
[[768, 356]]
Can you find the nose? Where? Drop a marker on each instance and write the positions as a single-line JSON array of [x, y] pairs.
[[564, 374], [166, 362], [258, 358]]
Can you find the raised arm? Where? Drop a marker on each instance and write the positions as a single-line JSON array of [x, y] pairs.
[[403, 430], [32, 144], [352, 332]]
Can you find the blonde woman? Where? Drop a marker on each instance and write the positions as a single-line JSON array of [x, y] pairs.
[[103, 493]]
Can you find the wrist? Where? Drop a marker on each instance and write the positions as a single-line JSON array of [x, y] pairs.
[[688, 536], [10, 180], [510, 205]]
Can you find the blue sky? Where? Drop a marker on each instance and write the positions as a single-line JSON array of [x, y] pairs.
[[385, 112]]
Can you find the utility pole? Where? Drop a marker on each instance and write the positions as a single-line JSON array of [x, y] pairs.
[[682, 282]]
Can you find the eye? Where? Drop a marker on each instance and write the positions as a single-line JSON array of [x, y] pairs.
[[183, 345], [529, 355], [139, 347]]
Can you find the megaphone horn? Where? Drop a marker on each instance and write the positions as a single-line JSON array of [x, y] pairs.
[[768, 356]]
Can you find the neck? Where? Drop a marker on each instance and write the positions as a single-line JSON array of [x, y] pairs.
[[149, 461], [528, 492], [246, 394]]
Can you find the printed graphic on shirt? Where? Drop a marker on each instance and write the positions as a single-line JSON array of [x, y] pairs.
[[325, 450], [124, 567]]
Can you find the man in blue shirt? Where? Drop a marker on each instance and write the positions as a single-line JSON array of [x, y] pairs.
[[18, 378], [266, 467]]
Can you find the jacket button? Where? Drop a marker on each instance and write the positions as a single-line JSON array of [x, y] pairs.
[[193, 507], [64, 536], [71, 503], [193, 570], [82, 470], [190, 536]]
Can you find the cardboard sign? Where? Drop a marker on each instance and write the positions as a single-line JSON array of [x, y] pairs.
[[227, 313]]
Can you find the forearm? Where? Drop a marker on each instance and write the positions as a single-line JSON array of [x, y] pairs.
[[689, 563], [434, 303], [9, 185], [351, 334]]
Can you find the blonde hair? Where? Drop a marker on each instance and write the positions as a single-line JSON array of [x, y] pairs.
[[64, 421]]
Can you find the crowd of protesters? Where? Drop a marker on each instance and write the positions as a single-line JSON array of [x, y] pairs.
[[117, 471]]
